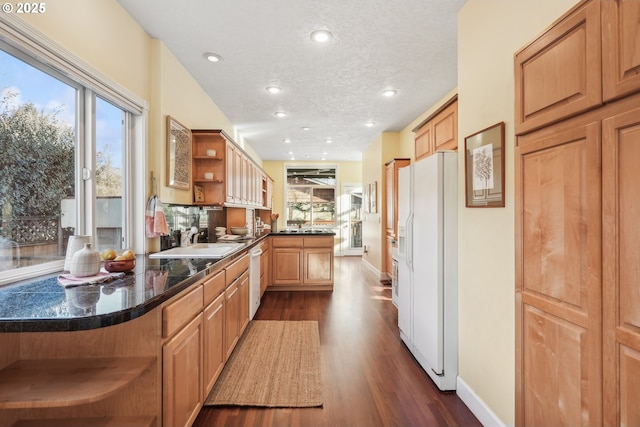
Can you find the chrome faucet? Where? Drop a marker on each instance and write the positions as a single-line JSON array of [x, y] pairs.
[[186, 238]]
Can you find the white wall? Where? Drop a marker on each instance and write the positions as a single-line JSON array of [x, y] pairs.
[[490, 32]]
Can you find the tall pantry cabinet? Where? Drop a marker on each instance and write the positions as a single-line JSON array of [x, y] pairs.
[[391, 207], [577, 184]]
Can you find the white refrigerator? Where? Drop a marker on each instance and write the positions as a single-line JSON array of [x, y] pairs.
[[427, 265]]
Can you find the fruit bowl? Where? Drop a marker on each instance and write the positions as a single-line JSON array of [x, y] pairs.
[[119, 265]]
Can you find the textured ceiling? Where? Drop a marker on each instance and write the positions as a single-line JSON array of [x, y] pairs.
[[333, 88]]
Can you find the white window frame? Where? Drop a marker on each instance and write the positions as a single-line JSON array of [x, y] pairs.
[[288, 166], [31, 45]]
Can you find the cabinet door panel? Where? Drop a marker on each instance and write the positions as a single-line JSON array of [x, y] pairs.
[[621, 189], [287, 266], [559, 276], [318, 266], [182, 375], [620, 47], [231, 318], [559, 74], [445, 129], [214, 350], [424, 142]]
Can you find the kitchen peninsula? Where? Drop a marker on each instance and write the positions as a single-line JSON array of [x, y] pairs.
[[117, 352], [145, 349]]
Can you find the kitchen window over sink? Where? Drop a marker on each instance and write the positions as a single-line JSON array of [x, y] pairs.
[[67, 161], [311, 196]]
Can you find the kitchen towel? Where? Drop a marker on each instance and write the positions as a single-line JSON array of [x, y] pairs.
[[155, 220], [68, 280]]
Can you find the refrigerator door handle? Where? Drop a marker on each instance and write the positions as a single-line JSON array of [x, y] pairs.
[[409, 242]]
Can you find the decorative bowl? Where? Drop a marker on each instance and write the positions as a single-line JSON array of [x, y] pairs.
[[241, 231], [120, 265]]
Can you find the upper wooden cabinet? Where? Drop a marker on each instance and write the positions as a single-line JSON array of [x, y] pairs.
[[559, 73], [439, 131], [620, 47], [236, 181], [587, 58]]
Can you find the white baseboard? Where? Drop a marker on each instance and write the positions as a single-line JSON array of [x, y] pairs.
[[482, 412], [371, 268]]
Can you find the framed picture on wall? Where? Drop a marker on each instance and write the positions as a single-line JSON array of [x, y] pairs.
[[178, 155], [373, 197], [365, 198], [484, 167]]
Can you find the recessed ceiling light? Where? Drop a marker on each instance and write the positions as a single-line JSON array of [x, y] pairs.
[[389, 92], [212, 57], [323, 158], [306, 128], [308, 156], [328, 141], [280, 114], [290, 153], [321, 36], [274, 89], [292, 158], [370, 124], [286, 141]]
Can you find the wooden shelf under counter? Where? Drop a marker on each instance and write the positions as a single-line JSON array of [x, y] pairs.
[[51, 383]]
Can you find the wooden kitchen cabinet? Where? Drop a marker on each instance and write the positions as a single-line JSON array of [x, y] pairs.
[[182, 359], [265, 266], [231, 195], [391, 207], [576, 182], [287, 266], [439, 131], [214, 331], [620, 44], [302, 262], [243, 293], [237, 180], [237, 302], [318, 266], [391, 193], [182, 375], [559, 74], [214, 189]]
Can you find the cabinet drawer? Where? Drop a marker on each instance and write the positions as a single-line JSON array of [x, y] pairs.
[[318, 242], [180, 312], [287, 242], [237, 268], [213, 286]]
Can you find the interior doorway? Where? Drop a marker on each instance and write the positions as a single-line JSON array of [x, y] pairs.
[[351, 220]]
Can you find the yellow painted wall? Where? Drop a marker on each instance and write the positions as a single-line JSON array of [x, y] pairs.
[[384, 147], [489, 33]]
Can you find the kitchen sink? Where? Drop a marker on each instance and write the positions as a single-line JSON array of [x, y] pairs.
[[200, 250]]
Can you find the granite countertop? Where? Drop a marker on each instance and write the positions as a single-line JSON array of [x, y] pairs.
[[43, 305], [304, 232]]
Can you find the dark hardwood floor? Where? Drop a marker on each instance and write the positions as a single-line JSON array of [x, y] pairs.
[[369, 378]]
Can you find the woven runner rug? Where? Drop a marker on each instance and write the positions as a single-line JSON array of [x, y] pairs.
[[275, 364]]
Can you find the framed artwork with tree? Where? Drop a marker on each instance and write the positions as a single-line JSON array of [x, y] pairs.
[[484, 167]]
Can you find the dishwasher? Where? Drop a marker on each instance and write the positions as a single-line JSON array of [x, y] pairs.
[[254, 281]]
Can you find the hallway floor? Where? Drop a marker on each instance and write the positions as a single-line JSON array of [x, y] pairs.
[[369, 378]]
